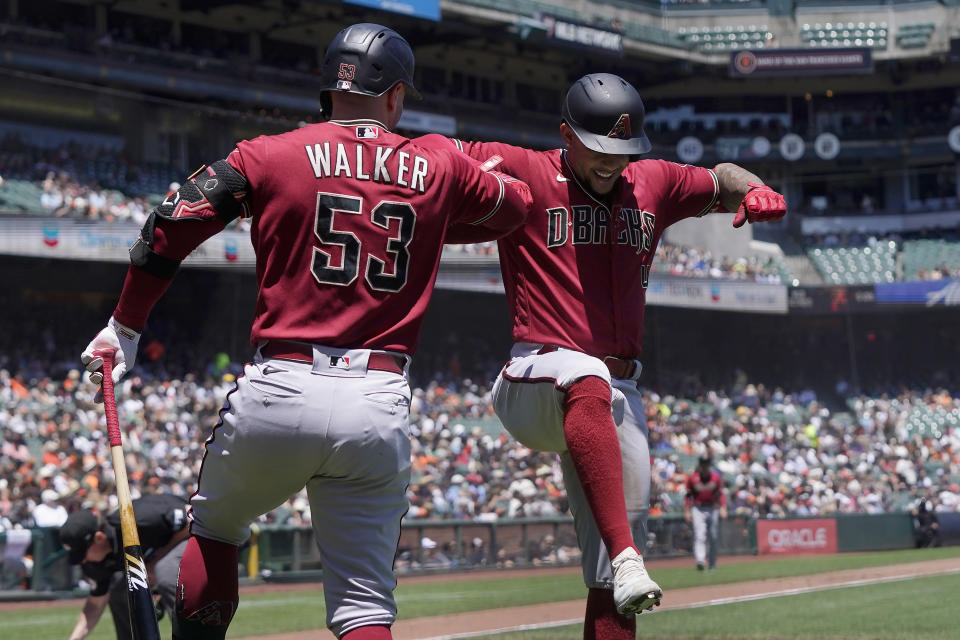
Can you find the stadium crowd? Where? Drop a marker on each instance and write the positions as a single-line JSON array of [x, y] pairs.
[[697, 262], [84, 180], [781, 454]]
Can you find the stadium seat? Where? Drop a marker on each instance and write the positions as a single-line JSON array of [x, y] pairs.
[[856, 265], [929, 255]]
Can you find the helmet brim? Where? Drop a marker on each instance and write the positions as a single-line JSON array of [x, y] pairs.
[[635, 146]]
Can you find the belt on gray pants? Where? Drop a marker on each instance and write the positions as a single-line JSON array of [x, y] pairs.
[[618, 367], [303, 352]]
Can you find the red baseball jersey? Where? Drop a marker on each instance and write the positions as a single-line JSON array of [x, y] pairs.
[[705, 493], [576, 273], [347, 222]]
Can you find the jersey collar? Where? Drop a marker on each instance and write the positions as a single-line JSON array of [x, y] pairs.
[[361, 121]]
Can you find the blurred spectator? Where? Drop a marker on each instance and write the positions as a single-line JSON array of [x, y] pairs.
[[701, 263], [926, 528], [49, 513]]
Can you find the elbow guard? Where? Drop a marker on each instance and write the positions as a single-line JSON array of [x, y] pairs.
[[217, 192]]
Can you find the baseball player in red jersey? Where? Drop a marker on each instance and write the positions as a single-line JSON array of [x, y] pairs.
[[348, 221], [703, 506], [575, 276]]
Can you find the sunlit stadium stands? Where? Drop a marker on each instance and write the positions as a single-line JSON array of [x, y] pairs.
[[932, 422], [709, 39], [20, 196], [844, 34], [856, 265], [923, 256]]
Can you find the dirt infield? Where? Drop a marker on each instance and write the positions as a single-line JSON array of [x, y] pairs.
[[477, 622]]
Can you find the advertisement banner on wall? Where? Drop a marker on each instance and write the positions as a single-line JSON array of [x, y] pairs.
[[721, 295], [792, 62], [110, 242], [584, 36], [830, 300], [429, 9], [929, 293], [788, 537]]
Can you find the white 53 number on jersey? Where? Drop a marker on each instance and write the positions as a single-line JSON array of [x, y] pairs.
[[379, 275]]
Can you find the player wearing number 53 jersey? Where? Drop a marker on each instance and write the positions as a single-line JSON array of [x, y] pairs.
[[348, 221], [576, 276]]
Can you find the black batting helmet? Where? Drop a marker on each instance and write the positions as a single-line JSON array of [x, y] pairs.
[[607, 114], [368, 59]]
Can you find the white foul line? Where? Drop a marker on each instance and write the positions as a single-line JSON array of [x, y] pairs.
[[706, 603], [799, 590]]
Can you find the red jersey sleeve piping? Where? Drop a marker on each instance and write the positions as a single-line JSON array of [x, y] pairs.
[[716, 195], [497, 206]]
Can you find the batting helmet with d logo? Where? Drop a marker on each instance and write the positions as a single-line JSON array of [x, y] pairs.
[[607, 114]]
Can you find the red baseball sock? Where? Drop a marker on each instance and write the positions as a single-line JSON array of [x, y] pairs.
[[370, 632], [591, 437], [207, 588], [602, 622]]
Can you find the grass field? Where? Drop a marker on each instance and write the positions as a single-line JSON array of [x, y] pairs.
[[921, 609]]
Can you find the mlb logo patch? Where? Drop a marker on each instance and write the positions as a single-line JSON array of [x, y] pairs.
[[344, 85], [340, 362], [365, 133]]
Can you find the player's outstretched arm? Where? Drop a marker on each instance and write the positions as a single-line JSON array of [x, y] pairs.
[[93, 608], [511, 216], [744, 193], [492, 204], [203, 205], [497, 158]]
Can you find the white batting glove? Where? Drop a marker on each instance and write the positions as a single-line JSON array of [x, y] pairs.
[[123, 340]]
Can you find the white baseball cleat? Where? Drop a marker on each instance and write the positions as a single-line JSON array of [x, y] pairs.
[[633, 589]]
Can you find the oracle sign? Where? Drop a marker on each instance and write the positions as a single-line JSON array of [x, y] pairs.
[[797, 536]]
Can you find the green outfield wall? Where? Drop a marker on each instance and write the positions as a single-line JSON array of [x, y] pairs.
[[866, 532]]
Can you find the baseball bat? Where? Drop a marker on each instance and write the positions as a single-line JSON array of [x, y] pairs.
[[143, 615]]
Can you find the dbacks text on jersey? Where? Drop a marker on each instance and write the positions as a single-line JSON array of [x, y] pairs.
[[591, 225], [586, 224]]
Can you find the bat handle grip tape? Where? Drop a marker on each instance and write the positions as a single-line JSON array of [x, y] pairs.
[[109, 399]]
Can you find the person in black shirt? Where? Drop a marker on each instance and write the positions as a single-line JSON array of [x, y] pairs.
[[926, 529], [94, 542]]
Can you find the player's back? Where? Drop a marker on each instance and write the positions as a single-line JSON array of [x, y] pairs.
[[348, 226]]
